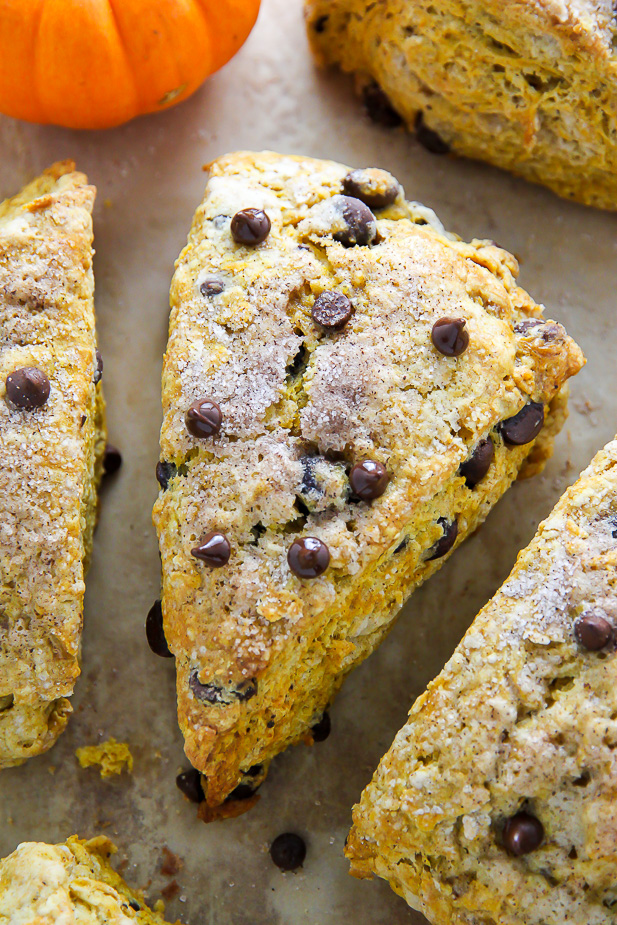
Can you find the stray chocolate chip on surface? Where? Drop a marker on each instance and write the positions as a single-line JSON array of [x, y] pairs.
[[525, 426], [332, 310], [155, 634], [288, 851], [450, 337], [112, 459], [308, 557], [189, 782], [250, 226], [27, 388], [321, 730]]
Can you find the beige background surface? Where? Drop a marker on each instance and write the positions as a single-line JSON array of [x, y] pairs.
[[150, 181]]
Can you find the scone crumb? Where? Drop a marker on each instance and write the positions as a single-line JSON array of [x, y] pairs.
[[112, 756]]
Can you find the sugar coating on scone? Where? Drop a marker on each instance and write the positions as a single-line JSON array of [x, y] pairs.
[[52, 436], [278, 577], [527, 86], [69, 883], [496, 804]]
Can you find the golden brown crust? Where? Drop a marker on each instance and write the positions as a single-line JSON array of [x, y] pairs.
[[51, 456], [73, 882], [521, 718], [259, 652], [528, 85]]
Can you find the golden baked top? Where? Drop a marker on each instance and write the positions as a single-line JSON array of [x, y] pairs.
[[68, 884], [298, 359], [497, 800], [46, 325]]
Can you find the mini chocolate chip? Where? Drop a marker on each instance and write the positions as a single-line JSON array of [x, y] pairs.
[[288, 851], [250, 226], [429, 139], [98, 372], [369, 479], [271, 724], [360, 223], [204, 418], [82, 420], [213, 549], [27, 388], [522, 834], [475, 468], [525, 426], [332, 310], [614, 530], [155, 634], [375, 188], [211, 287], [134, 905], [321, 730], [165, 471], [241, 792], [189, 782], [445, 543], [450, 337], [378, 107], [593, 631], [112, 459], [308, 557], [320, 24]]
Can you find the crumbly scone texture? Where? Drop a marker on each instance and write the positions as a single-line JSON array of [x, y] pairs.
[[299, 407], [68, 884], [529, 86], [521, 718], [51, 457]]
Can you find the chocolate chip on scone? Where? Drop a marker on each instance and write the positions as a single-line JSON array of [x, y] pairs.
[[496, 800], [352, 454], [52, 452]]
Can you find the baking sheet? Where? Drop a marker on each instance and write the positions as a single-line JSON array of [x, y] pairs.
[[150, 181]]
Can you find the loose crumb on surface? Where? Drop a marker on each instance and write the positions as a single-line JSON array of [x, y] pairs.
[[112, 756]]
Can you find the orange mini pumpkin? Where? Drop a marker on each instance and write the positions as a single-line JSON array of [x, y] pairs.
[[98, 63]]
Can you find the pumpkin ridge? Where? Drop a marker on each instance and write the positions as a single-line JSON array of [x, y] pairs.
[[138, 95], [37, 17]]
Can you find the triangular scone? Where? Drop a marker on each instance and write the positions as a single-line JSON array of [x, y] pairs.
[[291, 404], [69, 883], [52, 435], [527, 86], [497, 803]]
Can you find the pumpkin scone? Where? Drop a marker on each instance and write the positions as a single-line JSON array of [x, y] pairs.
[[69, 883], [52, 438], [497, 802], [527, 86], [347, 391]]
